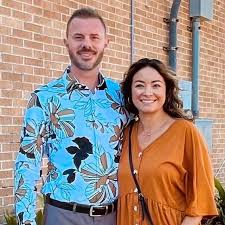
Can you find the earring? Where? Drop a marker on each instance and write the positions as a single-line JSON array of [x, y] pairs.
[[128, 100]]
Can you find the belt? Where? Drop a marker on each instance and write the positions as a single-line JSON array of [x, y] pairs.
[[91, 210]]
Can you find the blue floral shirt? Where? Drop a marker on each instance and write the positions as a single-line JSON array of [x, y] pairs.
[[80, 132]]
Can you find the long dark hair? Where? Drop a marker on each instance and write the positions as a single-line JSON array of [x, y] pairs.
[[173, 105]]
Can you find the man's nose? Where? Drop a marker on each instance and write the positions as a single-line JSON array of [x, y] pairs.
[[86, 43]]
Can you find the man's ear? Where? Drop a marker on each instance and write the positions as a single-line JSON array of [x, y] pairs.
[[65, 42], [106, 41]]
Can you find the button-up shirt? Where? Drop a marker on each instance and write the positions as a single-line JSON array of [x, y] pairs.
[[80, 131]]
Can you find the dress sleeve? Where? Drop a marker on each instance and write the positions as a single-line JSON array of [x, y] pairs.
[[199, 181], [28, 163]]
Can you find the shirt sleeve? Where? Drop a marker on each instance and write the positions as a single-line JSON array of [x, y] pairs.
[[199, 182], [28, 163]]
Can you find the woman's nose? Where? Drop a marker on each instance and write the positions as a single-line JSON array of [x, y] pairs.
[[148, 91]]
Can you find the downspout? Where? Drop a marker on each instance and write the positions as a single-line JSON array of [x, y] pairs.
[[195, 66], [173, 35], [132, 32]]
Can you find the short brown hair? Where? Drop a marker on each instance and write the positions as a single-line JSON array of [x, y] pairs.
[[173, 105], [85, 13]]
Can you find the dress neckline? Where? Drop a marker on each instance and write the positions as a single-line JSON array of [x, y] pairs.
[[135, 130]]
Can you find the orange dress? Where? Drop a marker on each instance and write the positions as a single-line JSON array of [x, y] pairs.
[[174, 173]]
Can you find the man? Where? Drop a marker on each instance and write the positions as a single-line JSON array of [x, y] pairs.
[[76, 121]]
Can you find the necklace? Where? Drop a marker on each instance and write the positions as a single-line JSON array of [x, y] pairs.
[[150, 133]]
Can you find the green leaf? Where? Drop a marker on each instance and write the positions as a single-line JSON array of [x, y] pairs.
[[220, 190], [10, 219]]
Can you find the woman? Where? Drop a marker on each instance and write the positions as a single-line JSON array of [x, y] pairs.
[[169, 156]]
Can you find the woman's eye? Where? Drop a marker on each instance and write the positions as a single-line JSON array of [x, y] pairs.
[[139, 85]]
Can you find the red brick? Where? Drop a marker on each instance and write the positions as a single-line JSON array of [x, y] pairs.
[[42, 71], [12, 4], [32, 79], [52, 48], [51, 32], [42, 21], [43, 38], [17, 120], [5, 102], [5, 120], [59, 58], [12, 23], [12, 41], [5, 11], [61, 9], [44, 4], [12, 58], [33, 27], [59, 26], [26, 1], [5, 48], [70, 4], [23, 69], [52, 15], [33, 10], [11, 147], [9, 200], [42, 55], [11, 129], [11, 93], [22, 51], [11, 112], [58, 41], [5, 30], [33, 45], [22, 34], [22, 16], [5, 85], [5, 156], [22, 86], [33, 62], [5, 191]]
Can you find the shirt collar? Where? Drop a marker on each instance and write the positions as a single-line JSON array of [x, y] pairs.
[[73, 83]]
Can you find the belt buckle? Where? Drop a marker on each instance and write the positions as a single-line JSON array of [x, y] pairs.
[[74, 207], [92, 208]]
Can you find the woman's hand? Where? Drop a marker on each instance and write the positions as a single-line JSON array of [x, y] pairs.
[[189, 220]]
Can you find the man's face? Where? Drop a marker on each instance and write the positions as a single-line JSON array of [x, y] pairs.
[[86, 42]]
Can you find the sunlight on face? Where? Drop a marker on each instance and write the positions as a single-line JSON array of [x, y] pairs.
[[148, 90]]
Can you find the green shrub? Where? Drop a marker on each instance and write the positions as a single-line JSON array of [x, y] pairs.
[[10, 218], [220, 203]]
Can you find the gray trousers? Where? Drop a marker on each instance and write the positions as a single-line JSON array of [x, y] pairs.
[[58, 216]]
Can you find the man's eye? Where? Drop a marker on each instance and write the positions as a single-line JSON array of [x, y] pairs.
[[78, 37], [95, 37]]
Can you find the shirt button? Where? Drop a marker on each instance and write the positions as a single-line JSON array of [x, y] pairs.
[[140, 154], [135, 172], [135, 208], [135, 190]]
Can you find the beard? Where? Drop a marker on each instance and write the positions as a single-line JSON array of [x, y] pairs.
[[82, 64]]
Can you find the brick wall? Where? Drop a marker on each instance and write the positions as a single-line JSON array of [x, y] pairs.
[[32, 53]]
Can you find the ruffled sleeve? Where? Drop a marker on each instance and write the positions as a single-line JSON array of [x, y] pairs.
[[199, 182]]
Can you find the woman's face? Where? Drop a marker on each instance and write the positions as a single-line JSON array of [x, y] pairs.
[[148, 91]]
